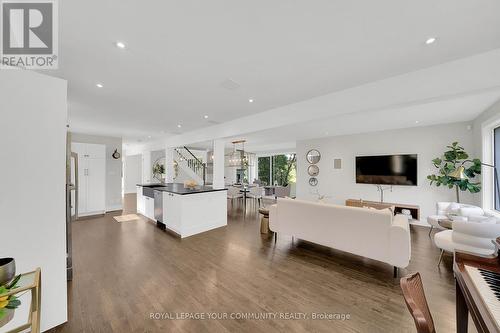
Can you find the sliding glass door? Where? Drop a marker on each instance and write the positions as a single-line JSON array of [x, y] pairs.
[[264, 169], [277, 169]]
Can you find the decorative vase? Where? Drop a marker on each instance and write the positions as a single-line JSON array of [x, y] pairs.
[[6, 316], [7, 270]]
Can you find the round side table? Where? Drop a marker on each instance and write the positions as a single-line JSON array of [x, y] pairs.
[[264, 221]]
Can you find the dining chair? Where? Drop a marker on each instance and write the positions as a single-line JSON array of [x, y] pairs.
[[233, 193], [256, 192], [414, 295], [282, 191]]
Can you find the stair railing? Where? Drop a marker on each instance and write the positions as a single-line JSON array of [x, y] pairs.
[[193, 162]]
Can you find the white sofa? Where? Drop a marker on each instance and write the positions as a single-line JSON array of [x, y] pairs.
[[472, 237], [464, 212], [375, 234]]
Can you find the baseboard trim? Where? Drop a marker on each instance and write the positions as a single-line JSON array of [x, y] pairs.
[[114, 208]]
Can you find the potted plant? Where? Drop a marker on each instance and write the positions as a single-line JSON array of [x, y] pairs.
[[453, 159]]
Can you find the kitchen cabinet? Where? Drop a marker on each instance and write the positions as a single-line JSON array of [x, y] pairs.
[[149, 210], [145, 204], [91, 178], [171, 212], [141, 205], [186, 211]]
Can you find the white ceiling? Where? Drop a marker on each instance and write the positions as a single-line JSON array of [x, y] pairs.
[[279, 52], [460, 109]]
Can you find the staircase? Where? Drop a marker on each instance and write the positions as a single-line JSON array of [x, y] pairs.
[[190, 165]]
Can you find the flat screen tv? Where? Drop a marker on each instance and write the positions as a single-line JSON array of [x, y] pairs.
[[387, 169]]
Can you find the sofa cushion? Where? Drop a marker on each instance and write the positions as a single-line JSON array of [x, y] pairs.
[[490, 220], [470, 211], [481, 218], [459, 218]]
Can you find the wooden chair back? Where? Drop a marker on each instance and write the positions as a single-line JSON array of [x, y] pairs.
[[413, 292]]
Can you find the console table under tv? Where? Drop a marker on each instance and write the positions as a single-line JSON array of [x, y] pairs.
[[414, 209]]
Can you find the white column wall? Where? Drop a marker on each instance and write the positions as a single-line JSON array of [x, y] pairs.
[[218, 181], [33, 177], [146, 167], [169, 164]]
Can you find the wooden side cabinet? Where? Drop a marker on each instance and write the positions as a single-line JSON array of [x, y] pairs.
[[414, 209]]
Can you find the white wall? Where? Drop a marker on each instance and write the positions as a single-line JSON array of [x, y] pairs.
[[113, 167], [32, 174], [132, 173], [427, 142], [229, 171]]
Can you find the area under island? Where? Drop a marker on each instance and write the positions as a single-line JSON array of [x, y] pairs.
[[184, 211]]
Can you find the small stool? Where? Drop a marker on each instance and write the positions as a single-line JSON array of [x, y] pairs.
[[264, 221]]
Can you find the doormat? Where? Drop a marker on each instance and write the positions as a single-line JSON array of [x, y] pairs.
[[126, 218]]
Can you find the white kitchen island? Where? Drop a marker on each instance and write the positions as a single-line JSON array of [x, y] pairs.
[[184, 211]]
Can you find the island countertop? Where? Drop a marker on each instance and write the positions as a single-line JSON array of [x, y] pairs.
[[178, 188]]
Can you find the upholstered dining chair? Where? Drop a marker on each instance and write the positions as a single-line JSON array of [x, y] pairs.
[[413, 292], [256, 193], [233, 193]]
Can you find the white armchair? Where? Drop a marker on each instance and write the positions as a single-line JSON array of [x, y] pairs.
[[472, 237], [443, 209]]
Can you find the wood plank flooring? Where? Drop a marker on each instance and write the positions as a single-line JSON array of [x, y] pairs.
[[125, 271]]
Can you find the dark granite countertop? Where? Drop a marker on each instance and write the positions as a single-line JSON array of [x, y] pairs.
[[179, 188]]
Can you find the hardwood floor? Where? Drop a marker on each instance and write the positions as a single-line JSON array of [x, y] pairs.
[[125, 271]]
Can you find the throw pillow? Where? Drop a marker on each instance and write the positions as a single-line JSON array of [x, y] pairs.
[[453, 208], [470, 211]]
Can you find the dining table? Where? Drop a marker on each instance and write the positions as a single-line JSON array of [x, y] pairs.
[[245, 190]]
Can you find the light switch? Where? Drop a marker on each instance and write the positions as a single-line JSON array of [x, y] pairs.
[[337, 163]]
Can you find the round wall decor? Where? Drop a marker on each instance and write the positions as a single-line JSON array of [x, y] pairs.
[[116, 155], [313, 181], [313, 170], [313, 156]]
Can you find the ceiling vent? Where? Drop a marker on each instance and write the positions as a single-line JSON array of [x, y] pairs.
[[230, 84]]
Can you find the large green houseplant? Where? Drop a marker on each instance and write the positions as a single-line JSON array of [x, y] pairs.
[[452, 159]]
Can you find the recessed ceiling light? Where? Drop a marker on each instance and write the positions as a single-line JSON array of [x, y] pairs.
[[179, 125], [416, 121], [205, 116], [149, 136], [250, 100], [120, 45], [99, 85], [430, 40]]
